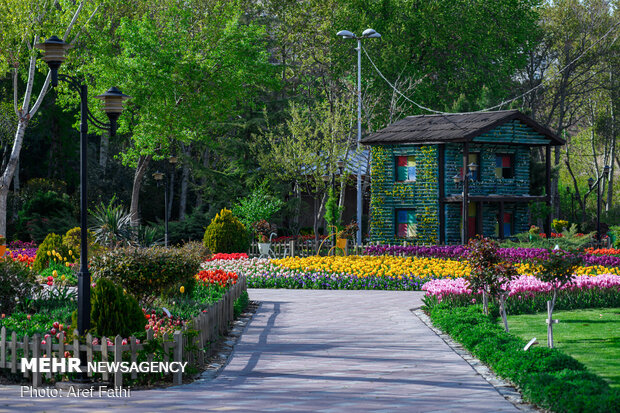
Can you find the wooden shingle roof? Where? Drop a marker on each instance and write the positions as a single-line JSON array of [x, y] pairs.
[[453, 127]]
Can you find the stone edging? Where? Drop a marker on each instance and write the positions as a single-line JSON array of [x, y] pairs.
[[504, 388], [225, 346]]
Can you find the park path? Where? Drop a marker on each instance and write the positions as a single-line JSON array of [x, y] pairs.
[[318, 351]]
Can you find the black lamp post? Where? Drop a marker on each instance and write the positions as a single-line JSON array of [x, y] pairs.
[[468, 176], [158, 176], [54, 54], [591, 184]]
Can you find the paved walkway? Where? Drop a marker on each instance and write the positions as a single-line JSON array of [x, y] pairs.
[[318, 351]]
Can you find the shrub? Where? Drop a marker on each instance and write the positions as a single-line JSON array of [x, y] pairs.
[[73, 241], [17, 282], [113, 312], [45, 212], [226, 233], [52, 244], [112, 224], [259, 205], [547, 377], [147, 272]]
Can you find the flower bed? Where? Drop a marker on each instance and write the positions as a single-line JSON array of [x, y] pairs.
[[593, 258], [528, 294]]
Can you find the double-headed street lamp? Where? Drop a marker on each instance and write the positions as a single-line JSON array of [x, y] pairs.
[[366, 34], [55, 51], [591, 183]]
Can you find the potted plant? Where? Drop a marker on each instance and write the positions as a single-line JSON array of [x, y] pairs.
[[347, 233], [2, 245], [263, 231]]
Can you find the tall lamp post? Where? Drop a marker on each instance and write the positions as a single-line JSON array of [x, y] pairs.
[[158, 176], [591, 183], [465, 178], [366, 34], [54, 54]]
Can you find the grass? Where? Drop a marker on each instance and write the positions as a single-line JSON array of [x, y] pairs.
[[591, 336]]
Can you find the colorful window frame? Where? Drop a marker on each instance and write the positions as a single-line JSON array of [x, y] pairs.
[[405, 169], [406, 225], [504, 165], [507, 222]]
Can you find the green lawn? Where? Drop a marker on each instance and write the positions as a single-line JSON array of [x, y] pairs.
[[591, 336]]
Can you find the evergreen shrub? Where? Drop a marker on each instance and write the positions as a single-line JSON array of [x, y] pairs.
[[52, 244], [226, 233]]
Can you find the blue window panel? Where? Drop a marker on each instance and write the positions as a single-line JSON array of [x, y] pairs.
[[411, 173]]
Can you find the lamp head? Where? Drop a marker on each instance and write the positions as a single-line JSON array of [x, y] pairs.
[[456, 178], [340, 165], [113, 105], [346, 34], [325, 178], [173, 160], [54, 53], [606, 170], [472, 167], [158, 176]]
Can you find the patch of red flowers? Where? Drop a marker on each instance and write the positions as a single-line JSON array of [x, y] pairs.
[[217, 277], [224, 256]]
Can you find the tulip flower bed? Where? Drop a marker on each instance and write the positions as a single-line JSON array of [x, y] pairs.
[[593, 258], [360, 272], [527, 294]]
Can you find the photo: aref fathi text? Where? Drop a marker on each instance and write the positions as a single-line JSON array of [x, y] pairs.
[[73, 391]]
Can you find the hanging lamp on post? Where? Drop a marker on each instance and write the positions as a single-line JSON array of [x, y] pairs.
[[366, 34], [55, 50]]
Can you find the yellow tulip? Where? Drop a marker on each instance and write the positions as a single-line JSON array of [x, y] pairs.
[[182, 289], [55, 273]]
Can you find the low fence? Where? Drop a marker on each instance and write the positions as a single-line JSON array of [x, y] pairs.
[[208, 325], [302, 248]]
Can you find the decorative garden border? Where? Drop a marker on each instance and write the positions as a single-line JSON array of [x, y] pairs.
[[209, 325]]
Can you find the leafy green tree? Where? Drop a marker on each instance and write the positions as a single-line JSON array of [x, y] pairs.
[[259, 205]]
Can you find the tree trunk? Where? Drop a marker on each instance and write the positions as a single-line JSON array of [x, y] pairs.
[[485, 303], [103, 150], [7, 176], [184, 184], [502, 308], [317, 217], [143, 164], [550, 305], [203, 180]]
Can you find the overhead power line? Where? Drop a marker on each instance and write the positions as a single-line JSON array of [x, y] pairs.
[[503, 103]]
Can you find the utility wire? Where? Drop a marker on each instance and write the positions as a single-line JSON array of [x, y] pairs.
[[505, 102]]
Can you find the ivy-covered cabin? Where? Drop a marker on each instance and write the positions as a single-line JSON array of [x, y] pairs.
[[446, 178]]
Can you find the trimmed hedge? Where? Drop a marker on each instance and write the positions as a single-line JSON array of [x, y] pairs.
[[146, 273], [546, 377]]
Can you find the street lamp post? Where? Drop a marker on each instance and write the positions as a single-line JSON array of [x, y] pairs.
[[366, 34], [54, 54], [591, 184], [158, 176], [465, 178]]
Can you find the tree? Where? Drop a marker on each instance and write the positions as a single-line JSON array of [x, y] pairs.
[[21, 24], [259, 205], [557, 269], [306, 148], [188, 71], [489, 273]]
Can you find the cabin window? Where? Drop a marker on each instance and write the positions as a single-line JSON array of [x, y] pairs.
[[506, 221], [405, 168], [406, 226], [504, 165]]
